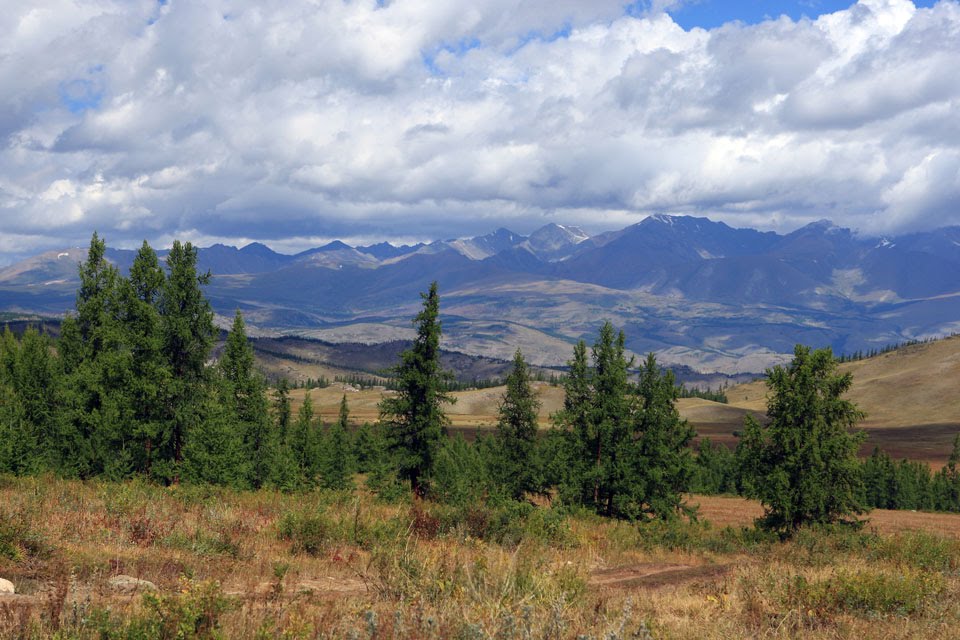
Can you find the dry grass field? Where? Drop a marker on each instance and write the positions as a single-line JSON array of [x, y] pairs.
[[227, 564], [335, 565], [909, 396]]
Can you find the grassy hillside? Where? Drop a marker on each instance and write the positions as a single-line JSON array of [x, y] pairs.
[[909, 395], [335, 565], [910, 386]]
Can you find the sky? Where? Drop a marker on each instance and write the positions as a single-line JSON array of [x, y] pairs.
[[299, 122]]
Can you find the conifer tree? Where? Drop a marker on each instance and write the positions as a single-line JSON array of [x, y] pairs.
[[188, 332], [150, 373], [517, 432], [368, 447], [285, 472], [913, 486], [213, 454], [574, 423], [338, 467], [39, 385], [947, 481], [98, 361], [281, 408], [663, 464], [598, 415], [29, 403], [306, 443], [879, 480], [460, 475], [806, 465], [612, 418], [714, 469], [414, 418], [627, 453], [244, 395]]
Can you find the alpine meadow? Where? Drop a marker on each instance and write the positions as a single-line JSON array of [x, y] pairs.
[[479, 320], [152, 490]]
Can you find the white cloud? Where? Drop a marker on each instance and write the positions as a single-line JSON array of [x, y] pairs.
[[322, 119]]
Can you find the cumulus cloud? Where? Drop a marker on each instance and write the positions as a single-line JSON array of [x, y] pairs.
[[369, 119]]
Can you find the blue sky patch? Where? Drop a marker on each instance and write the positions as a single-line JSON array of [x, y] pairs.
[[713, 13], [81, 94], [458, 49]]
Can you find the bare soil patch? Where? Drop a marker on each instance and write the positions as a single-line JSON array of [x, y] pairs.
[[654, 575]]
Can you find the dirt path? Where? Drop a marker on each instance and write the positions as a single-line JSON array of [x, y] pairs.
[[654, 575]]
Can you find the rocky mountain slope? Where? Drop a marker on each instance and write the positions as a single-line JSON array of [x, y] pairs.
[[698, 292]]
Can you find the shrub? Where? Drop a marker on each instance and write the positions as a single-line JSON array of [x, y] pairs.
[[17, 538], [919, 550], [308, 533], [204, 544], [192, 613], [866, 592], [690, 537]]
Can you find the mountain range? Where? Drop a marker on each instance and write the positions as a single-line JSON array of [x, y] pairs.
[[697, 292]]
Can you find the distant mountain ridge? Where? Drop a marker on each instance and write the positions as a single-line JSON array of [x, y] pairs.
[[698, 292]]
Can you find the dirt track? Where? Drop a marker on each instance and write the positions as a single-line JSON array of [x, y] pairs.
[[653, 575]]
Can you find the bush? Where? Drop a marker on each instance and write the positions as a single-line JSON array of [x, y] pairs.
[[919, 550], [17, 538], [204, 544], [308, 533], [866, 592], [192, 613], [689, 537], [506, 523], [819, 545]]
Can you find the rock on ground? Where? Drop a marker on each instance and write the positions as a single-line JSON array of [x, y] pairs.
[[6, 586], [129, 584]]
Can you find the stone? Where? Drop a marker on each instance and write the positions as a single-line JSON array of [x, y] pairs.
[[6, 587], [129, 584]]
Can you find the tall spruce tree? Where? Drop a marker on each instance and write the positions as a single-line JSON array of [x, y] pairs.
[[30, 404], [612, 417], [573, 422], [150, 373], [414, 417], [627, 452], [282, 409], [806, 469], [598, 416], [285, 472], [946, 483], [245, 397], [663, 465], [338, 465], [306, 443], [98, 361], [188, 333], [517, 432]]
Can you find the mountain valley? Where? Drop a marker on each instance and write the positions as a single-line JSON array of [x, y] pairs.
[[698, 293]]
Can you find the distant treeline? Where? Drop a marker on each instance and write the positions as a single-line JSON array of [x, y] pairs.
[[321, 382], [886, 484], [720, 395], [870, 353]]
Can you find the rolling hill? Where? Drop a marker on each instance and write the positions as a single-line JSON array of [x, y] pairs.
[[908, 395]]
